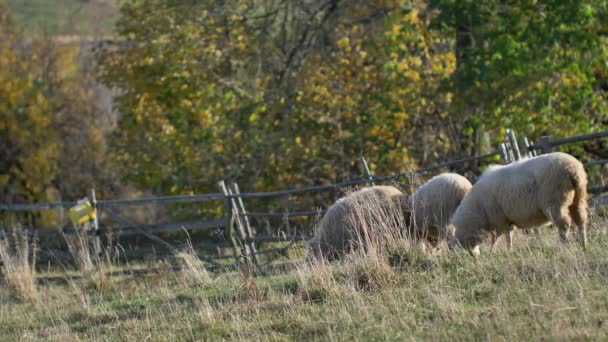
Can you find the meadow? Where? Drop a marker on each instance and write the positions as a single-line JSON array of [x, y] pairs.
[[543, 289], [65, 17]]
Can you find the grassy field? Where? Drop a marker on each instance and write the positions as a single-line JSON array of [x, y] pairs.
[[541, 290], [65, 17]]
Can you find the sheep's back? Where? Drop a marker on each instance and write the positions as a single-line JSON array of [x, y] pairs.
[[342, 223], [434, 202]]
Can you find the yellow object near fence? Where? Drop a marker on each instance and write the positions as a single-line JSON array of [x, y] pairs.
[[82, 212]]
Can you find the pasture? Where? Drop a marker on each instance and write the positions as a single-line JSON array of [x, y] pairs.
[[542, 290]]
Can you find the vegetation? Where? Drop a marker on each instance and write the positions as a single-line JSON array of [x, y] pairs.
[[543, 289], [66, 17], [279, 94], [282, 94], [301, 90], [51, 123]]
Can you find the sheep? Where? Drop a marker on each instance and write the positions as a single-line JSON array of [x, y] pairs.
[[433, 204], [525, 194], [364, 217], [376, 214]]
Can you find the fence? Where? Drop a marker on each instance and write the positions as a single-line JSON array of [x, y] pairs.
[[238, 230]]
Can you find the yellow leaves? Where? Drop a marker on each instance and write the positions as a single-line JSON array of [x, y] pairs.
[[396, 29], [253, 117], [167, 128], [412, 75], [413, 16], [372, 131], [185, 103], [344, 44]]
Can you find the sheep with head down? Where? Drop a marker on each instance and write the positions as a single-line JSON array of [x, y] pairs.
[[365, 217], [432, 205], [376, 215], [525, 194]]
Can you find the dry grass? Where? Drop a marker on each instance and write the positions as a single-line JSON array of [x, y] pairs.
[[17, 260], [542, 290], [81, 251], [193, 269]]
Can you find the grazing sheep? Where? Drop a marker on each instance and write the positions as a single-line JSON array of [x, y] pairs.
[[433, 204], [366, 217], [524, 194]]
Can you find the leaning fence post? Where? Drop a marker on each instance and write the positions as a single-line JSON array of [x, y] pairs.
[[96, 239], [502, 147], [242, 237], [513, 142], [525, 146], [248, 231], [229, 229], [545, 144], [366, 170]]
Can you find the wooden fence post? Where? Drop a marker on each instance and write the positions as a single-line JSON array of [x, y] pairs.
[[366, 170], [241, 236], [502, 147], [545, 144], [229, 229], [248, 231], [513, 142], [525, 146], [96, 239]]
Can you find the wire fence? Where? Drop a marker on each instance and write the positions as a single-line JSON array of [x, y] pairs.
[[239, 233]]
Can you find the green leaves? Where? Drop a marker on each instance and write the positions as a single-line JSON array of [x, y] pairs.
[[528, 58]]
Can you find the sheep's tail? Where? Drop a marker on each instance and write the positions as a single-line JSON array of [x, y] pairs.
[[579, 207], [578, 177]]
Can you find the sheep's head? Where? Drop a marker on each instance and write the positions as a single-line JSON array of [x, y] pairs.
[[467, 238]]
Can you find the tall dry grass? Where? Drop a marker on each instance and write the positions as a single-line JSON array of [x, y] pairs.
[[81, 250], [17, 264], [192, 269], [93, 268]]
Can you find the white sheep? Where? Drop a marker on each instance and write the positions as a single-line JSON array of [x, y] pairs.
[[433, 204], [375, 215], [525, 194], [367, 217]]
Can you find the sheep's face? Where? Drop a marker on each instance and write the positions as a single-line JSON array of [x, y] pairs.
[[467, 238]]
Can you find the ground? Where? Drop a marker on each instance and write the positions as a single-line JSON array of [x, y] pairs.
[[541, 290]]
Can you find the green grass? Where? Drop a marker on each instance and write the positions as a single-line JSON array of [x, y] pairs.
[[541, 290], [65, 17]]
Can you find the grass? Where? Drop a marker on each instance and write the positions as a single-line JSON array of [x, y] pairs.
[[65, 17], [541, 290]]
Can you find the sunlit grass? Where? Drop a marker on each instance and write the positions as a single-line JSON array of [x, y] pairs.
[[543, 289]]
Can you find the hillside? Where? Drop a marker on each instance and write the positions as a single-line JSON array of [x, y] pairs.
[[65, 17]]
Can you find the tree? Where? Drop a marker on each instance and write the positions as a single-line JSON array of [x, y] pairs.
[[274, 94], [51, 144], [532, 66]]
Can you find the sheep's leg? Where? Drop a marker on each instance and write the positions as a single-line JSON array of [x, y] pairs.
[[510, 238], [582, 230], [494, 238], [561, 218], [578, 211]]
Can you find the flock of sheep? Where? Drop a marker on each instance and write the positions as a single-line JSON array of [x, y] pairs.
[[551, 188]]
